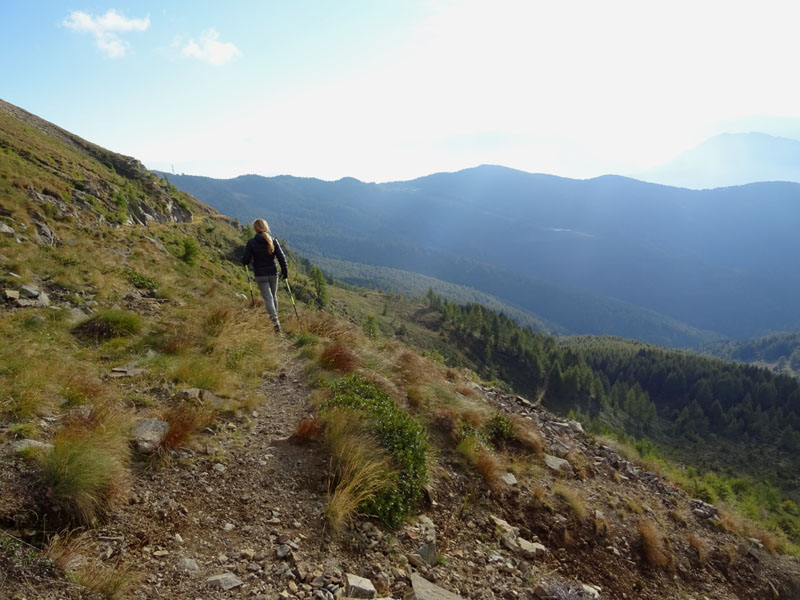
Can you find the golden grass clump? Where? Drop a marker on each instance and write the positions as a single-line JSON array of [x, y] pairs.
[[86, 471], [185, 420], [771, 541], [82, 388], [573, 500], [361, 467], [68, 551], [700, 545], [338, 357], [527, 436], [412, 368], [111, 583], [325, 325], [654, 546], [216, 319]]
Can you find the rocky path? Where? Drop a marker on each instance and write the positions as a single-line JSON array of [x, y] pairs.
[[248, 504]]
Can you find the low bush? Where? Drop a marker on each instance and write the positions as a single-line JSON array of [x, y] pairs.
[[143, 282], [401, 437], [189, 252], [499, 429], [363, 468], [109, 324]]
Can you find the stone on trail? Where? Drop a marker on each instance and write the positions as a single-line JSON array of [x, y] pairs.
[[148, 434], [188, 565], [226, 581], [359, 587], [530, 549], [425, 590]]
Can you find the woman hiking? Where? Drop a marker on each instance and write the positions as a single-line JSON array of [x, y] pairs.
[[262, 250]]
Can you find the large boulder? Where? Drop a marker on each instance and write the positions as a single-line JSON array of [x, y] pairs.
[[359, 587]]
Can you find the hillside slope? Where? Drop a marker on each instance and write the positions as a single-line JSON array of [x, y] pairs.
[[158, 440], [604, 256]]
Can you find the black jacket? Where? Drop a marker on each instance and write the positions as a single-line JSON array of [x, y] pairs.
[[257, 252]]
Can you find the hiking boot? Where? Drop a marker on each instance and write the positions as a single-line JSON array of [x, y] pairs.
[[277, 328]]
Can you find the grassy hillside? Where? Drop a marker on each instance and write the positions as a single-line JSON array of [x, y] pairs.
[[157, 436]]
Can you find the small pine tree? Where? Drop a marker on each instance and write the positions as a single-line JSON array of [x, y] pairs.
[[320, 286], [371, 329]]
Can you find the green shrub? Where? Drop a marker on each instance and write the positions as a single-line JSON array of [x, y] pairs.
[[398, 433], [109, 324], [500, 429], [143, 282], [190, 251]]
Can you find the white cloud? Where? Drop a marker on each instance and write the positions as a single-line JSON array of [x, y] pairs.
[[106, 29], [210, 49]]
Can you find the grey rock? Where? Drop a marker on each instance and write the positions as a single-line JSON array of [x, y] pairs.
[[6, 230], [219, 468], [148, 434], [23, 445], [226, 581], [283, 551], [29, 291], [76, 314], [428, 553], [45, 235], [422, 589], [24, 303], [84, 412], [557, 464], [43, 300], [416, 560], [427, 528], [359, 587], [155, 242], [11, 294], [509, 479], [530, 549], [188, 565], [576, 427], [191, 394]]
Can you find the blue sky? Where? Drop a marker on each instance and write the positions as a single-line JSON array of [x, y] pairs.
[[386, 90]]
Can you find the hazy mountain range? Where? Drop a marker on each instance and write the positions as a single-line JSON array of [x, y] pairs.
[[606, 255], [731, 159]]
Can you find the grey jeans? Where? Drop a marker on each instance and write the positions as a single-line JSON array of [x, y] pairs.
[[268, 284]]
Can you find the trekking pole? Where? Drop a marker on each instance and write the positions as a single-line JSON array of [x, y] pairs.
[[250, 285], [288, 289]]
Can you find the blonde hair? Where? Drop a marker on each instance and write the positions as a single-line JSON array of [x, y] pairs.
[[260, 226]]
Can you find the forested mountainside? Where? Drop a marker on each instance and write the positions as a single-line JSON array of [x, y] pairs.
[[607, 255], [721, 417], [780, 351], [157, 439]]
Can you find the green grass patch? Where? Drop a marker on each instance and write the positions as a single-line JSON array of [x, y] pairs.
[[109, 324]]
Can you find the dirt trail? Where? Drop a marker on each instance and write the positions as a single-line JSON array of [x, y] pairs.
[[249, 490]]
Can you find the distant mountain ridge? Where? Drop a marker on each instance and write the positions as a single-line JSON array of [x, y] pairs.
[[607, 255], [731, 159]]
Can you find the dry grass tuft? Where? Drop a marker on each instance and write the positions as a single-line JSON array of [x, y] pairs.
[[82, 388], [771, 541], [111, 583], [339, 357], [573, 500], [466, 390], [653, 545], [68, 550], [325, 325], [527, 436], [216, 318], [87, 468], [184, 420], [701, 546], [490, 467], [580, 464], [362, 468], [412, 368], [309, 428]]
